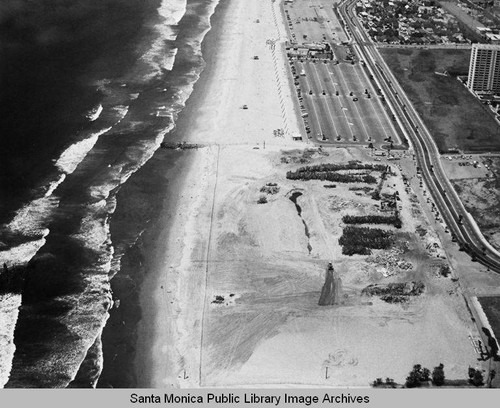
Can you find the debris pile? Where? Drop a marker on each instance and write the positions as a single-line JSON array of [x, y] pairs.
[[434, 248], [395, 292], [420, 230], [224, 299], [279, 133], [270, 188], [390, 262]]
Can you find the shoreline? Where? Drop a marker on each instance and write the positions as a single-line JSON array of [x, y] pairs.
[[157, 360], [172, 298], [137, 279], [157, 290], [119, 337]]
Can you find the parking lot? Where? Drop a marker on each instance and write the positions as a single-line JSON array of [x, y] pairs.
[[338, 101], [339, 104], [465, 167]]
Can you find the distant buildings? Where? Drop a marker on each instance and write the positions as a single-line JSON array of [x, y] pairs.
[[409, 22], [309, 50], [484, 68]]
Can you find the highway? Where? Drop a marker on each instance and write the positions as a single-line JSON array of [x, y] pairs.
[[459, 221]]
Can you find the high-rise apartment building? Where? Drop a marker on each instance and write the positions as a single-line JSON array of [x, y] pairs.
[[484, 68]]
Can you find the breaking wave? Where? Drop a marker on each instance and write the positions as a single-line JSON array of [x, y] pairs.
[[96, 174], [73, 155], [161, 56], [94, 113], [31, 220]]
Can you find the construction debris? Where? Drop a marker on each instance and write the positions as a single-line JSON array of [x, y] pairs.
[[389, 263], [395, 292]]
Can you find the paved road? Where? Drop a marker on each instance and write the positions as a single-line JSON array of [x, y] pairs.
[[447, 201]]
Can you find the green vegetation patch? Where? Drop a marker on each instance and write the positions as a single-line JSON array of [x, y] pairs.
[[456, 119], [331, 172], [361, 240], [372, 219]]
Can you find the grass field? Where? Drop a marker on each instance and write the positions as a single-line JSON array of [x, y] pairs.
[[455, 118], [491, 306]]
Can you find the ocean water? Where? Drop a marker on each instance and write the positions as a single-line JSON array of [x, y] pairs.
[[89, 90]]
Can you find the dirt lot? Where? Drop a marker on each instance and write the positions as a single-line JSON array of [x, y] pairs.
[[442, 101], [263, 324], [465, 167], [481, 197]]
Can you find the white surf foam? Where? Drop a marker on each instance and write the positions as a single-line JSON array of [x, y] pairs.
[[94, 113], [21, 254], [31, 220], [94, 228], [183, 93], [172, 10], [9, 311], [54, 184], [73, 155], [157, 57], [122, 111]]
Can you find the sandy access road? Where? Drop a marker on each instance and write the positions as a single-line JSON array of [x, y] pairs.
[[269, 329]]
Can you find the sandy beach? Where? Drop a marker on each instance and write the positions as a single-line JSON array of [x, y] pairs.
[[168, 352], [215, 242]]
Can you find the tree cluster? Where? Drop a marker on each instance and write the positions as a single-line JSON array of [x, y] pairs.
[[476, 377], [329, 171], [380, 383], [352, 165], [330, 176], [372, 219], [420, 375], [438, 375], [360, 240], [417, 376]]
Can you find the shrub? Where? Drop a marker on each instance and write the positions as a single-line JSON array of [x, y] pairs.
[[262, 200], [413, 380], [329, 172], [445, 270], [438, 375], [372, 219], [359, 240], [417, 376], [389, 383], [330, 176], [420, 230], [476, 377]]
